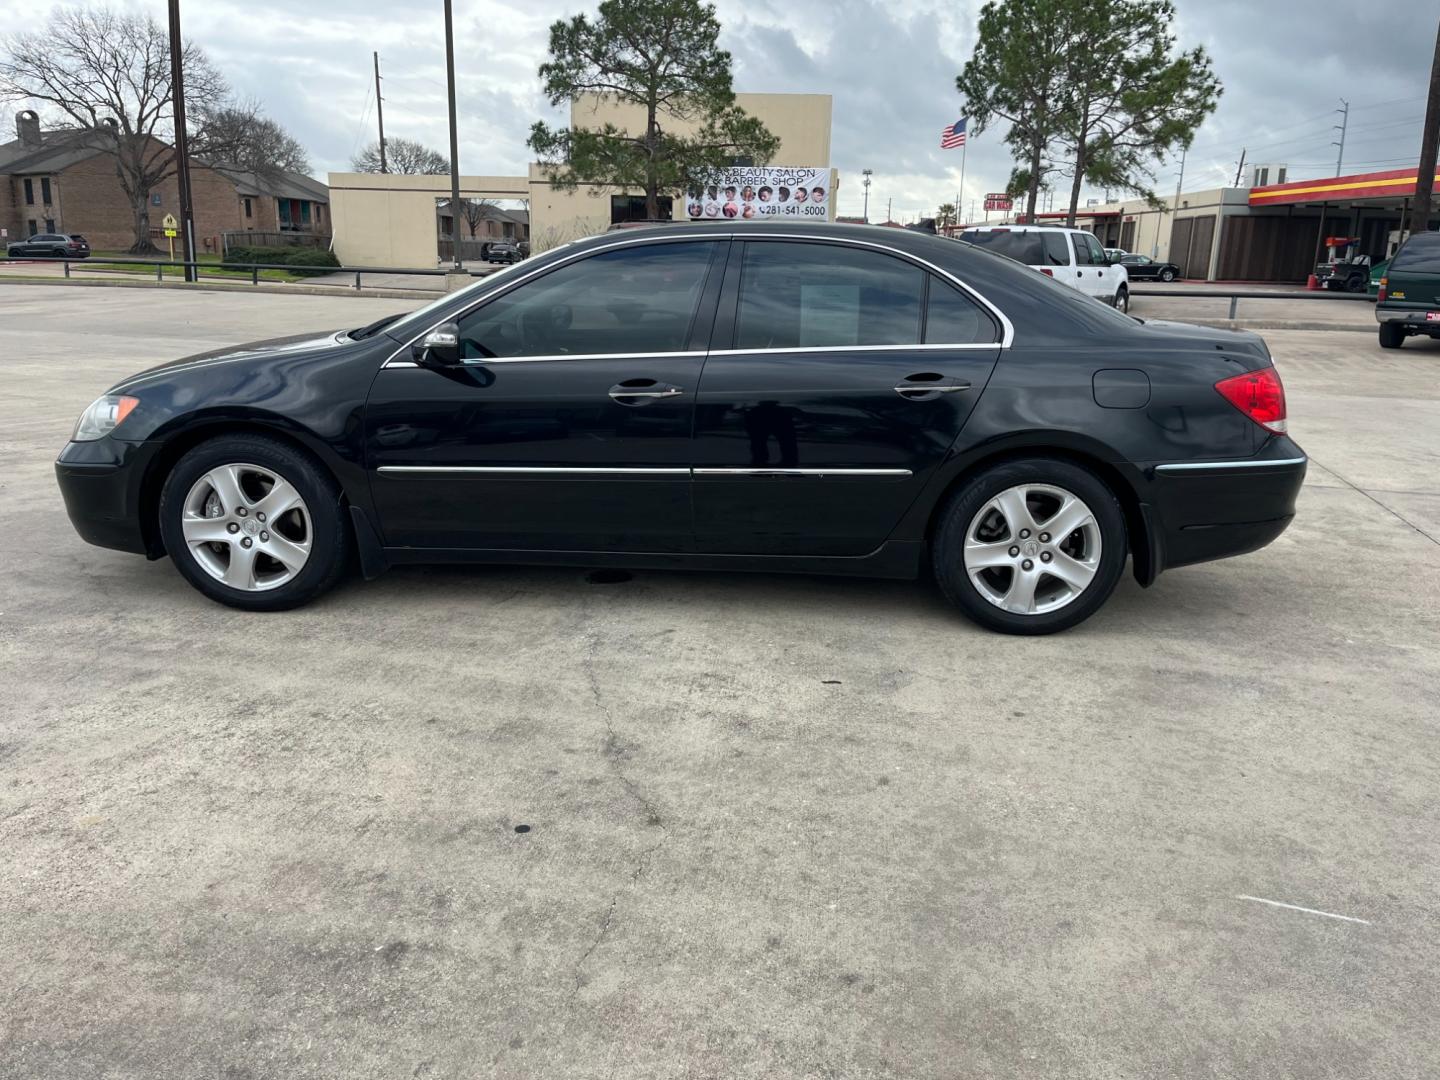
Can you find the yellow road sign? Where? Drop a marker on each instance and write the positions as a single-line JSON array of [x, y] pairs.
[[170, 223], [171, 232]]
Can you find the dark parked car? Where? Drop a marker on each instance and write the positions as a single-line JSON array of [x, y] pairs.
[[807, 397], [1144, 268], [1409, 298], [50, 245], [502, 251]]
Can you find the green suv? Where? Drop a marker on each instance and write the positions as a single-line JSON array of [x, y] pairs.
[[1409, 298]]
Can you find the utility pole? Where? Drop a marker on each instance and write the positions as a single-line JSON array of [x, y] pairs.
[[867, 173], [380, 113], [454, 136], [1241, 167], [887, 210], [1344, 112], [182, 142], [1425, 182]]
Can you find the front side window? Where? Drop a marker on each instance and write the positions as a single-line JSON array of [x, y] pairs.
[[795, 295], [639, 299], [1082, 249], [1097, 253]]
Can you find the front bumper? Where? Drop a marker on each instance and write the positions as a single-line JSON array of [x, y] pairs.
[[101, 482], [1204, 510]]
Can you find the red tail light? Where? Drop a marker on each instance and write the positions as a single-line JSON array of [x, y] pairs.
[[1384, 289], [1046, 271], [1260, 395]]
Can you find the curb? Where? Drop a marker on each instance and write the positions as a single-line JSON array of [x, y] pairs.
[[221, 286], [1275, 324]]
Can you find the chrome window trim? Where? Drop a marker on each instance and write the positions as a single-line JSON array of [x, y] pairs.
[[1248, 463], [1007, 329], [849, 348]]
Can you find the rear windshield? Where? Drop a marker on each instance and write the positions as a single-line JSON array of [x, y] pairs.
[[1034, 248], [1420, 255]]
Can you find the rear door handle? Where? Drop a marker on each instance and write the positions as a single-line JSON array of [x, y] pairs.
[[926, 385]]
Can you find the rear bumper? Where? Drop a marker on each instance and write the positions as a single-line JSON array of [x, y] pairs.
[[1204, 510], [1413, 318], [100, 482]]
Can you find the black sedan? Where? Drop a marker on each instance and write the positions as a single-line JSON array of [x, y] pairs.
[[1144, 268], [50, 245], [807, 397], [502, 251]]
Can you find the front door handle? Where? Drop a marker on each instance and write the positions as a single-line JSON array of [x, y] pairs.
[[926, 385], [642, 391]]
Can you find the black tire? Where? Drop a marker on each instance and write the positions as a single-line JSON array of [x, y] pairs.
[[1167, 275], [1392, 335], [59, 253], [1122, 300], [948, 544], [330, 539]]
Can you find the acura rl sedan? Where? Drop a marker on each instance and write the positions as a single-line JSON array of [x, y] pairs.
[[792, 397]]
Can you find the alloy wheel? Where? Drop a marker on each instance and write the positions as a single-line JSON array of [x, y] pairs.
[[247, 527], [1033, 548]]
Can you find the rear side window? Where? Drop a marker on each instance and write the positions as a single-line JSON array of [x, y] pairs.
[[1025, 247], [1420, 255], [795, 295], [952, 318], [1056, 253]]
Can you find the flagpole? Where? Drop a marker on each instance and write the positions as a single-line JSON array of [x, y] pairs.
[[964, 150]]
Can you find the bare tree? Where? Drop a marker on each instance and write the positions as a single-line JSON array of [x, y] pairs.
[[238, 134], [404, 156], [473, 211], [109, 72]]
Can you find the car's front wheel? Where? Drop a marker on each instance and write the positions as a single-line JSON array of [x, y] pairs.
[[1122, 300], [254, 523], [1032, 546], [1167, 275], [1392, 335]]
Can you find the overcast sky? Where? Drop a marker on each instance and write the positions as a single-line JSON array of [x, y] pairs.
[[890, 66]]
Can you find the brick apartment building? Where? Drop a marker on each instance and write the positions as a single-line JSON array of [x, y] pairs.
[[496, 223], [58, 180]]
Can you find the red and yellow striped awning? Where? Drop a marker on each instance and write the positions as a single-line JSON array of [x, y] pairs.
[[1395, 184]]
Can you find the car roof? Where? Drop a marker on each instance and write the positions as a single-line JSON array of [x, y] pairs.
[[1027, 227]]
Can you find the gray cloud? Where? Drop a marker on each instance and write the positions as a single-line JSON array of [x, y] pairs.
[[890, 67]]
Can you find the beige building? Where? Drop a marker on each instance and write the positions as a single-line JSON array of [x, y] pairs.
[[389, 220]]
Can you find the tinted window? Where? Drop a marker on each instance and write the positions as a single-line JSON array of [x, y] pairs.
[[952, 318], [821, 296], [1056, 253], [1097, 253], [1420, 255], [1025, 247], [631, 300]]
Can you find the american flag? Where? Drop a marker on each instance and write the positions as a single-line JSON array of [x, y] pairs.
[[953, 135]]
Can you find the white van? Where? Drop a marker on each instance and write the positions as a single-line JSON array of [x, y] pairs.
[[1071, 256]]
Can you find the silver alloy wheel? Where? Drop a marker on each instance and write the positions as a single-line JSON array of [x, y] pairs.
[[1032, 549], [1122, 301], [247, 527]]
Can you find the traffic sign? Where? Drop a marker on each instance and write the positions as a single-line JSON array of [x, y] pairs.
[[172, 233], [170, 224]]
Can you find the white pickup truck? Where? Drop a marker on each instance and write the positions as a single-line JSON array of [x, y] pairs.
[[1071, 256]]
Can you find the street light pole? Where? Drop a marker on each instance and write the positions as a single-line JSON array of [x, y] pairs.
[[380, 113], [454, 137], [182, 142]]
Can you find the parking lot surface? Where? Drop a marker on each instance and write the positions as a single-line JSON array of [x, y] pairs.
[[509, 822]]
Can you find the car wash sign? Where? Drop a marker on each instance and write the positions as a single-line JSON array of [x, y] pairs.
[[762, 193]]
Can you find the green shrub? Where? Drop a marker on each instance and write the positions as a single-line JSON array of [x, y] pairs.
[[315, 261]]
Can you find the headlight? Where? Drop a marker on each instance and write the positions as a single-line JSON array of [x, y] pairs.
[[103, 416]]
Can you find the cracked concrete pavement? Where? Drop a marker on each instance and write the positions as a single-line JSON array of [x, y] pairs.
[[777, 827]]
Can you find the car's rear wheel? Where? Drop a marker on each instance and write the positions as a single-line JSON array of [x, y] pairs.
[[1392, 335], [254, 523], [1167, 275], [1030, 547]]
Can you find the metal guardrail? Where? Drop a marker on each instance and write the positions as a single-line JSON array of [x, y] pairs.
[[1236, 295], [255, 268]]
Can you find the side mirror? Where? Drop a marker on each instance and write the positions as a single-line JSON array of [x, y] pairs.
[[440, 347]]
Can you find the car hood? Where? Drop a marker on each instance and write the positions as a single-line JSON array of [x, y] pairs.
[[259, 351]]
